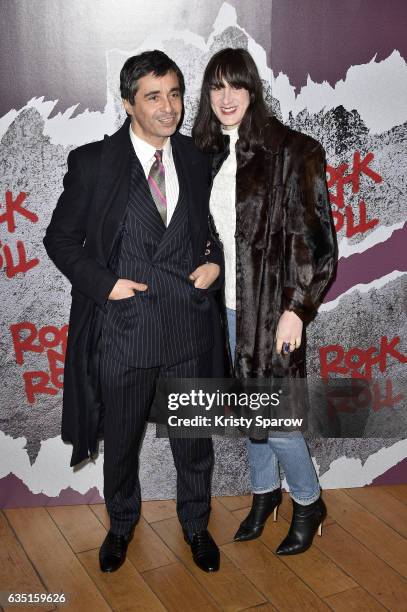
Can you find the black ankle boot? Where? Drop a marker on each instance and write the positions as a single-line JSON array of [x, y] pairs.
[[262, 506], [305, 522]]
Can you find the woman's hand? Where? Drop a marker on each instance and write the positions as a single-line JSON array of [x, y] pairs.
[[289, 330]]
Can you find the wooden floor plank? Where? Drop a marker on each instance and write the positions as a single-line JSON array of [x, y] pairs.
[[368, 570], [229, 588], [370, 530], [383, 505], [272, 577], [354, 600], [398, 491], [357, 565], [321, 574], [158, 510], [267, 607], [222, 524], [57, 565], [79, 526], [178, 590], [236, 502], [146, 550], [17, 575], [124, 590]]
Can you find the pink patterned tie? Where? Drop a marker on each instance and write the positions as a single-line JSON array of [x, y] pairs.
[[156, 181]]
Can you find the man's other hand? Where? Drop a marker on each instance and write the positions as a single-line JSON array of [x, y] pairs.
[[125, 288], [205, 275]]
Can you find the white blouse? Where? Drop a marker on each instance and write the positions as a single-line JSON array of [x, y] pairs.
[[222, 206]]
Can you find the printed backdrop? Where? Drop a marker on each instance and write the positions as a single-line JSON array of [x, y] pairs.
[[60, 88]]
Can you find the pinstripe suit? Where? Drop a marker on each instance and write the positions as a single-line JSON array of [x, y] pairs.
[[170, 322], [105, 222], [165, 331]]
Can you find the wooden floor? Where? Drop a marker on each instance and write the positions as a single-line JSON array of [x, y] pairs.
[[359, 563]]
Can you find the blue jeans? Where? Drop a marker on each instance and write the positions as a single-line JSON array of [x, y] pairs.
[[287, 448]]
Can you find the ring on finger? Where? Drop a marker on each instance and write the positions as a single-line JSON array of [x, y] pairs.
[[286, 347]]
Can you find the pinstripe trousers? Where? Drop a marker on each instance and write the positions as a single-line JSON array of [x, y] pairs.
[[127, 395]]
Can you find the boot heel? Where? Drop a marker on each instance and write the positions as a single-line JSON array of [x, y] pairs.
[[320, 530], [275, 512]]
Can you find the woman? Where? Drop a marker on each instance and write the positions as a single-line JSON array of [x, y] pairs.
[[270, 208]]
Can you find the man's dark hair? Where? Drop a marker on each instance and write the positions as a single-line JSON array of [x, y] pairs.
[[236, 67], [139, 66]]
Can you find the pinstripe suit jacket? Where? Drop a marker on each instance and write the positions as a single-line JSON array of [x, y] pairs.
[[80, 239]]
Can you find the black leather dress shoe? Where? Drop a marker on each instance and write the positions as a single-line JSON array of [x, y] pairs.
[[112, 553], [305, 523], [263, 505], [204, 550]]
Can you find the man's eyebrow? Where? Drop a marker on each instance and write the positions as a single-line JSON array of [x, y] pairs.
[[154, 93], [151, 93]]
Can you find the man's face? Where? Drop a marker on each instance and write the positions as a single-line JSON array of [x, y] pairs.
[[157, 108]]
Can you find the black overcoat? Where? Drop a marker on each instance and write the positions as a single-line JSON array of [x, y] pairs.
[[80, 240], [285, 245]]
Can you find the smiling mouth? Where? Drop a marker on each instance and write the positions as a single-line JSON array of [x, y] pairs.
[[167, 121], [228, 111]]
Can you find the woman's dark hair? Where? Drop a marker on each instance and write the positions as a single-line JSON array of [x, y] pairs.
[[237, 68], [139, 66]]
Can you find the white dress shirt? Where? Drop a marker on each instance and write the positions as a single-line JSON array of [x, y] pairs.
[[145, 153], [223, 209]]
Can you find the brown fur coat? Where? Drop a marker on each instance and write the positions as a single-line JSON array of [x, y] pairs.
[[285, 245]]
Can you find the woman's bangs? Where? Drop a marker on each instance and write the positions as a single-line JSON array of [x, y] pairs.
[[232, 74]]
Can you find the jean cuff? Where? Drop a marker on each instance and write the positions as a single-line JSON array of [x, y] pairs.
[[267, 490], [307, 501]]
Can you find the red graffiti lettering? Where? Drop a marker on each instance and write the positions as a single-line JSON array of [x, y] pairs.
[[338, 178], [369, 397], [55, 370], [28, 339], [24, 345], [23, 264], [20, 262], [15, 206], [353, 228], [362, 167], [36, 383], [358, 362]]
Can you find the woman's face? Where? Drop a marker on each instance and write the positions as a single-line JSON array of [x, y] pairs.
[[229, 104]]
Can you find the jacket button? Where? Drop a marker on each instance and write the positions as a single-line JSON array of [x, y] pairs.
[[208, 243], [207, 252]]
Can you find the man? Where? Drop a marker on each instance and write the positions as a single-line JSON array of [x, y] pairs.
[[130, 232]]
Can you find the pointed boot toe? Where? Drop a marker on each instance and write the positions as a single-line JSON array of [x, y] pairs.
[[263, 505], [305, 523]]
